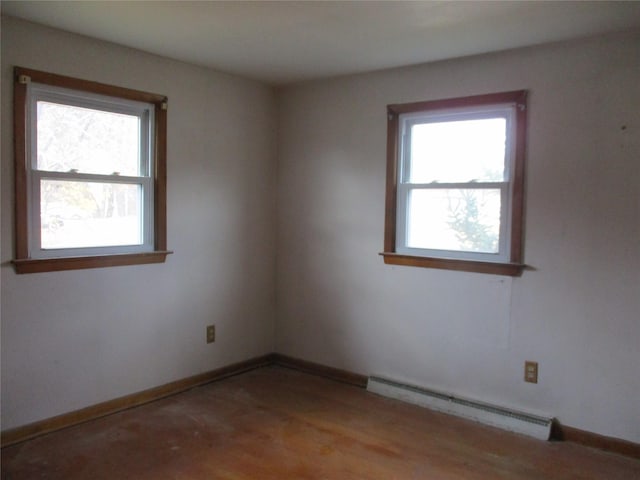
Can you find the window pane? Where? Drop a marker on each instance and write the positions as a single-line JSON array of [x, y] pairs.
[[87, 140], [461, 151], [466, 220], [87, 214]]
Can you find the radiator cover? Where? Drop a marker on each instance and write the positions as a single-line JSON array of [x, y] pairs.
[[496, 416]]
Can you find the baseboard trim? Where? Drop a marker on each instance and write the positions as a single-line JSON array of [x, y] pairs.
[[32, 430], [585, 438], [336, 374], [27, 432]]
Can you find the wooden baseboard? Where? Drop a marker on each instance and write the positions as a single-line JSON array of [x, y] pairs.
[[343, 376], [20, 434], [26, 432], [595, 440]]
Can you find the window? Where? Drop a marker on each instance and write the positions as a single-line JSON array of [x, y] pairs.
[[90, 174], [455, 171]]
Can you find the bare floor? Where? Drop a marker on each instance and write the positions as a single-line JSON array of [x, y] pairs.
[[276, 423]]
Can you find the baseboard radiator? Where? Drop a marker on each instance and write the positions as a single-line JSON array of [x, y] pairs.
[[507, 419]]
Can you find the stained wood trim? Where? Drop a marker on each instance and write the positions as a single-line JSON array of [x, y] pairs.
[[459, 102], [517, 197], [160, 180], [337, 374], [89, 86], [510, 269], [392, 181], [20, 167], [595, 440], [39, 265], [21, 434]]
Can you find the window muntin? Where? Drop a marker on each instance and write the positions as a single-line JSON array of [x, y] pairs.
[[90, 173], [96, 196], [454, 183]]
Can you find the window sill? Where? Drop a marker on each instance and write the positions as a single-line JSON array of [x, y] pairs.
[[30, 265], [510, 269]]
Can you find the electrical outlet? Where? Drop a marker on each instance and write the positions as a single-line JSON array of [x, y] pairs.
[[211, 333], [531, 372]]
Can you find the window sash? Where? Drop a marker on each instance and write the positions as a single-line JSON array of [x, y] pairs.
[[62, 96], [145, 112], [409, 120], [36, 250], [402, 229], [405, 187]]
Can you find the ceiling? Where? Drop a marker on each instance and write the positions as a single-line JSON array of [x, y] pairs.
[[282, 42]]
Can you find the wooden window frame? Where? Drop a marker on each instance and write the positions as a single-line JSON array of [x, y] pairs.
[[22, 261], [512, 268]]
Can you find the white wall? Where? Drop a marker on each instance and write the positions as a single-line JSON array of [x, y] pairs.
[[576, 312], [73, 339]]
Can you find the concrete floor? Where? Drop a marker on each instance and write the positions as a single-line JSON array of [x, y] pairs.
[[277, 423]]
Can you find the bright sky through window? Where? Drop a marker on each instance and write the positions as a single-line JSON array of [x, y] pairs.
[[87, 140], [458, 151]]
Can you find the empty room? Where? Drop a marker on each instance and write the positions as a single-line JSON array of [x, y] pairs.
[[320, 240]]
